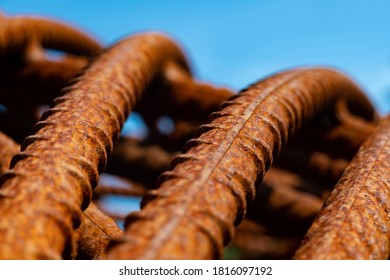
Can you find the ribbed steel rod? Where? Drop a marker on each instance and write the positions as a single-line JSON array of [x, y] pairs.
[[193, 213], [51, 180], [355, 221], [97, 229]]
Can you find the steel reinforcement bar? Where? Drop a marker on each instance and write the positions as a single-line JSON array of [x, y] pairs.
[[193, 213], [51, 180]]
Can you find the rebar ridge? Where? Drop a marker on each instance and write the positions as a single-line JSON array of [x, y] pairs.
[[8, 148], [193, 213], [354, 222], [59, 165]]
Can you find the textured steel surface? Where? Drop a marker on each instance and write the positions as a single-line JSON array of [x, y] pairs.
[[18, 34], [355, 221], [193, 213], [60, 162], [96, 229], [248, 184], [94, 234], [8, 148]]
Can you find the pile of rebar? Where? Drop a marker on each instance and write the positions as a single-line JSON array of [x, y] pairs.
[[295, 166]]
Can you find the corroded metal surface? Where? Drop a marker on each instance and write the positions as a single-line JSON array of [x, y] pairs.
[[60, 163], [96, 229], [253, 241], [355, 222], [142, 163], [94, 234], [8, 148], [285, 202], [36, 82], [303, 127], [193, 213], [17, 34]]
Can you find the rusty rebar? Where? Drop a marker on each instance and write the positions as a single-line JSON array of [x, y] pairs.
[[326, 167], [18, 33], [187, 102], [28, 74], [193, 213], [322, 150], [313, 165], [8, 148], [27, 84], [135, 190], [355, 222], [96, 229], [285, 202], [178, 95], [59, 164], [141, 163], [210, 186], [253, 241], [94, 234]]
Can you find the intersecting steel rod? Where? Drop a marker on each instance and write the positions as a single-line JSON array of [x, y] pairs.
[[51, 180]]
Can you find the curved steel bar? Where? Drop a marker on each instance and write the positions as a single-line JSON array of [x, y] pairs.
[[17, 33], [96, 230], [178, 95], [354, 222], [193, 213], [51, 180], [92, 237]]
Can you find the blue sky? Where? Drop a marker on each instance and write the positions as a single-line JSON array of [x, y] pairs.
[[234, 43]]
